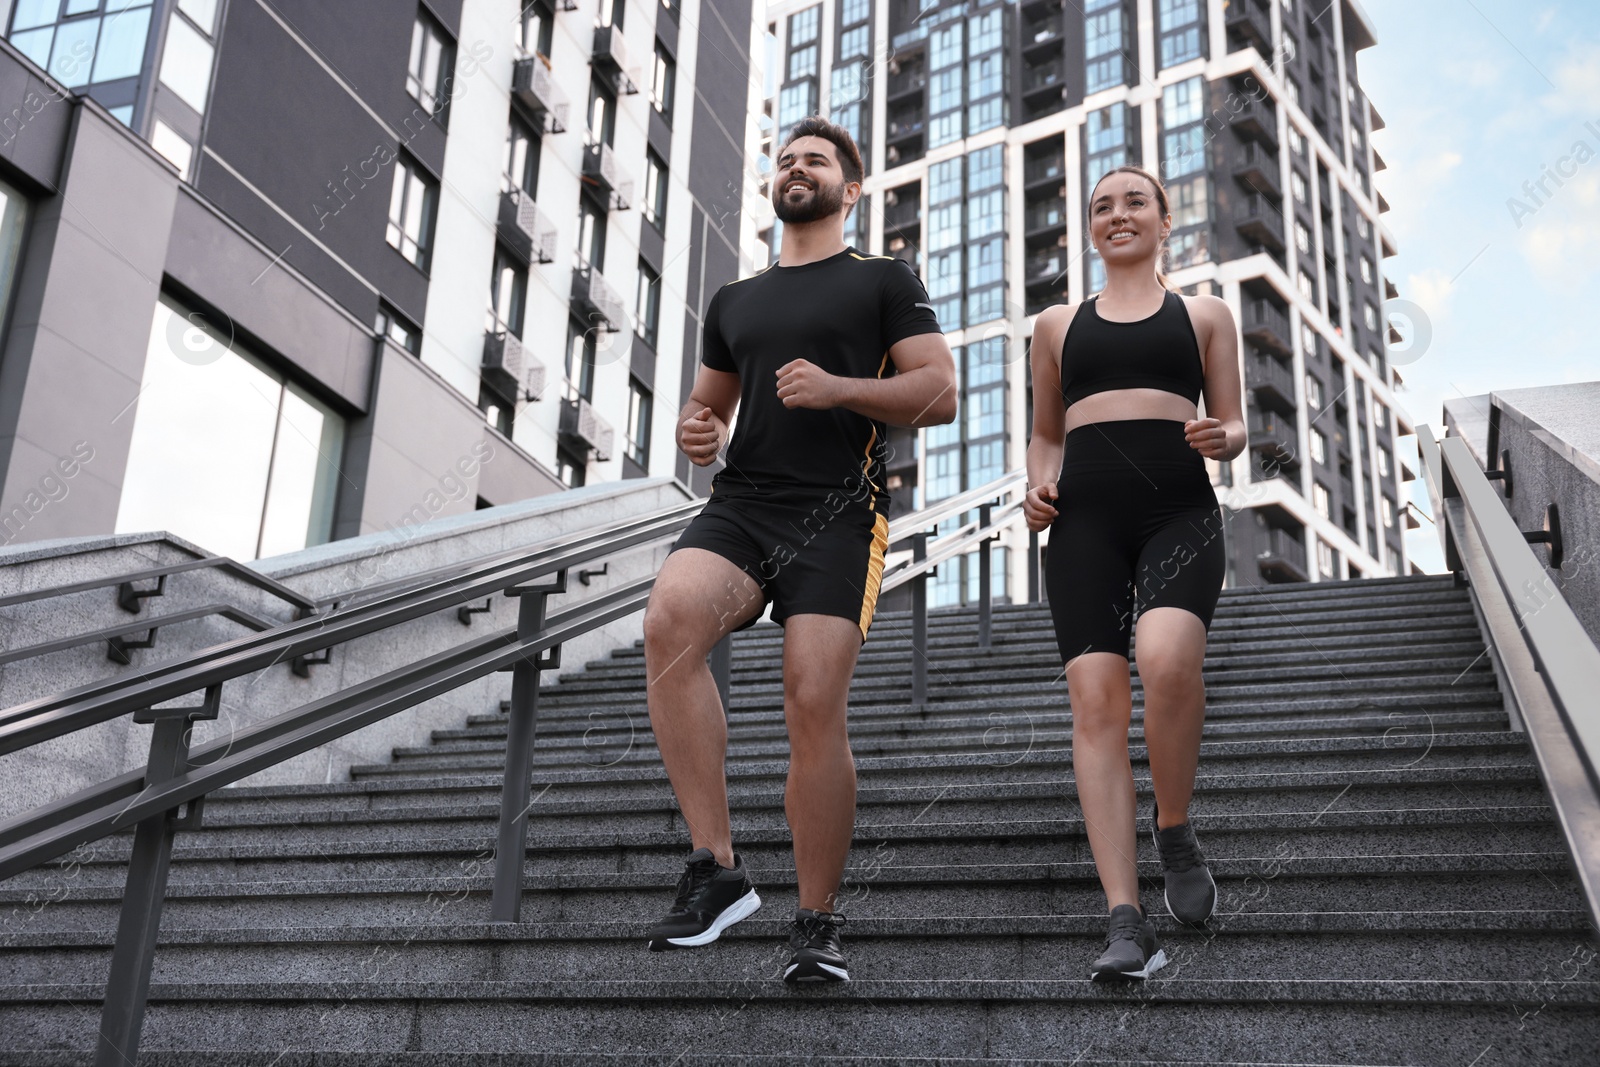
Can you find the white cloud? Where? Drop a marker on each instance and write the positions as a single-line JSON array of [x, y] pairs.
[[1577, 80], [1430, 289], [1561, 241]]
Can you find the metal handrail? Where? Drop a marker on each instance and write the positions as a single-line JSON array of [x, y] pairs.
[[1550, 665], [150, 623], [933, 514], [168, 795], [95, 702], [222, 563]]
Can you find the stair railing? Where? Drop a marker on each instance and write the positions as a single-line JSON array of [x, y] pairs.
[[1549, 666], [168, 795]]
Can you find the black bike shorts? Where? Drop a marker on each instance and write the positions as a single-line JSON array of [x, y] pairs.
[[807, 557], [1139, 528]]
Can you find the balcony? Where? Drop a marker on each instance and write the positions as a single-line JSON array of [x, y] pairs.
[[905, 128], [1045, 269], [906, 82], [524, 229], [902, 218], [1041, 35], [1272, 381], [1051, 171], [1256, 168], [1267, 325], [610, 56], [1256, 119], [533, 87], [605, 178], [1043, 80], [1273, 435], [593, 296], [582, 430], [511, 369], [1260, 221], [1250, 21], [1282, 556], [1043, 219]]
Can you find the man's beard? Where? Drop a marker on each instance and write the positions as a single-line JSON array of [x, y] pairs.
[[825, 200]]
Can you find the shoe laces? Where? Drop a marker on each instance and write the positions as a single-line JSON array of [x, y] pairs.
[[817, 927], [1125, 928], [694, 879], [1179, 851]]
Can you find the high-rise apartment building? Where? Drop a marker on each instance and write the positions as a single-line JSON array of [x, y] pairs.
[[280, 271], [984, 124]]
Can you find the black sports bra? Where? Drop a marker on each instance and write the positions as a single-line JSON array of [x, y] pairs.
[[1159, 352]]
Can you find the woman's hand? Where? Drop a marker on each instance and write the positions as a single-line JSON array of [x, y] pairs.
[[1037, 506], [1207, 437]]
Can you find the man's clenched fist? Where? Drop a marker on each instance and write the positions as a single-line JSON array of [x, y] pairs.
[[699, 437]]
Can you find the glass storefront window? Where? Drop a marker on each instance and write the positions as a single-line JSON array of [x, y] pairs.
[[225, 451]]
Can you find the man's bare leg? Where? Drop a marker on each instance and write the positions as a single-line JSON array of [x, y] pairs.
[[698, 598], [819, 657]]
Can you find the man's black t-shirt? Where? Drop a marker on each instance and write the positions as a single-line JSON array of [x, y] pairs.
[[842, 314]]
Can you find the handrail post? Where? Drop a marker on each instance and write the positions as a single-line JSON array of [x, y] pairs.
[[128, 985], [1033, 567], [919, 624], [505, 904], [722, 670], [985, 596]]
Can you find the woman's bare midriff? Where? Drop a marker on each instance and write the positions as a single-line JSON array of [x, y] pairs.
[[1115, 404]]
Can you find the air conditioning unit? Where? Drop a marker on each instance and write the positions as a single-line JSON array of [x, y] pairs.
[[535, 89], [586, 430], [524, 228], [510, 368], [611, 55]]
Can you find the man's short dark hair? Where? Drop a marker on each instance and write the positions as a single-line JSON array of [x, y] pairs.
[[849, 154]]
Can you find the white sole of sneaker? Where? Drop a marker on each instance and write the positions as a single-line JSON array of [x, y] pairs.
[[1154, 964], [839, 974], [742, 908]]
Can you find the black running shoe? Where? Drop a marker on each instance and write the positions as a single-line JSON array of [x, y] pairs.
[[711, 898], [1191, 891], [1131, 948], [818, 957]]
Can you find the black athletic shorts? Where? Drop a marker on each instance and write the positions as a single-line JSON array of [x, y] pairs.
[[810, 555], [1139, 528]]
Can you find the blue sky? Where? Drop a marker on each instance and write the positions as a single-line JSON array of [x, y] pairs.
[[1480, 97]]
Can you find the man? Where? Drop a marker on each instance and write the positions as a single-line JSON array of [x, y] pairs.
[[816, 353]]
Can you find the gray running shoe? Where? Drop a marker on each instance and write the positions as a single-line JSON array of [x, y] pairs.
[[1131, 948], [1191, 893]]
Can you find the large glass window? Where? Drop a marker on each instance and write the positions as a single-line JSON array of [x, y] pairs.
[[429, 64], [647, 304], [521, 162], [654, 204], [411, 208], [1180, 26], [225, 451], [639, 404], [662, 83], [508, 294], [1105, 40], [91, 41]]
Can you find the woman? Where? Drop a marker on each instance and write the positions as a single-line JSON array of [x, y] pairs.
[[1115, 471]]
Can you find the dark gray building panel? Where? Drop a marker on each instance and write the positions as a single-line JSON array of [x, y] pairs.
[[214, 259], [35, 117], [80, 328]]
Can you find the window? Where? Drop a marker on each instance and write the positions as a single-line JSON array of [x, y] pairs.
[[1383, 461], [1297, 185], [411, 209], [795, 102], [185, 59], [1308, 288], [1183, 144], [1290, 47], [1319, 446], [945, 48], [803, 61], [171, 144], [639, 403], [1313, 392], [647, 304], [589, 250], [1297, 141], [520, 165], [1106, 141], [1302, 238], [535, 29], [392, 326], [853, 11], [803, 26], [655, 190], [1379, 413], [1386, 506], [1308, 339], [1180, 31], [508, 294], [1369, 315], [662, 80], [1190, 205], [985, 214], [80, 50], [430, 62], [1363, 227], [1319, 498], [13, 220], [602, 113], [225, 451], [610, 13], [1291, 89], [1366, 270], [1325, 560], [854, 43], [1105, 37]]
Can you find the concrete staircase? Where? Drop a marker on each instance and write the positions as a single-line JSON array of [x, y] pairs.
[[1393, 887]]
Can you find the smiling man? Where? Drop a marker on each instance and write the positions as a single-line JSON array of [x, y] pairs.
[[816, 353]]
